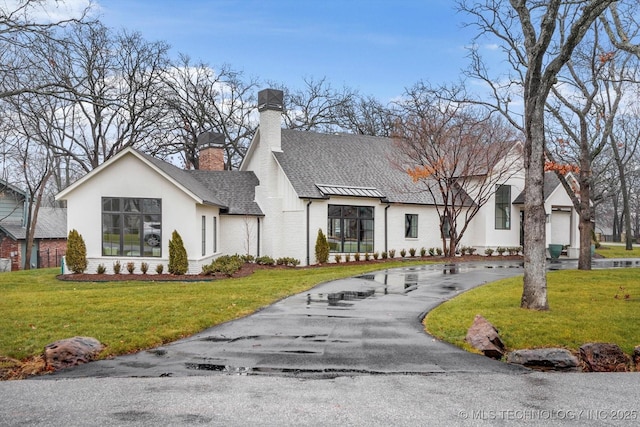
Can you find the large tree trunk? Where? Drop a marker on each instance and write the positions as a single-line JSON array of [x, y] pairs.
[[584, 209], [534, 291]]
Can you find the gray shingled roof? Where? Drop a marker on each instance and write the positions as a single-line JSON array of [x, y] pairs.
[[310, 159], [551, 181], [186, 179], [52, 224], [236, 189]]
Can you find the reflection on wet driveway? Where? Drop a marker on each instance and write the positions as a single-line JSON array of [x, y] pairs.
[[370, 324]]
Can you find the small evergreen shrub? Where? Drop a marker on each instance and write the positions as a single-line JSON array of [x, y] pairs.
[[337, 258], [322, 248], [265, 260], [225, 264], [131, 267], [392, 253], [101, 269], [367, 256], [501, 250], [403, 253], [356, 256], [376, 255], [423, 251], [159, 268], [347, 257], [178, 261], [144, 267], [384, 255], [471, 250], [412, 252], [488, 251], [117, 267], [76, 256], [439, 251], [248, 258], [432, 251]]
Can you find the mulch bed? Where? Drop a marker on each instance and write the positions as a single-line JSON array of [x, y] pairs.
[[248, 268]]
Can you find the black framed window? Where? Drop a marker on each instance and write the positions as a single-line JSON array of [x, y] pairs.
[[131, 227], [411, 226], [503, 207], [350, 229]]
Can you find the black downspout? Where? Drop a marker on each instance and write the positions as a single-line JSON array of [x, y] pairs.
[[386, 226], [308, 235], [258, 239]]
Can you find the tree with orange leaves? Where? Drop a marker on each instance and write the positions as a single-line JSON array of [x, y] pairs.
[[458, 153]]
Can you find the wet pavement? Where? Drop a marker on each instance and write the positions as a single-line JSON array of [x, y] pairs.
[[369, 324], [305, 360]]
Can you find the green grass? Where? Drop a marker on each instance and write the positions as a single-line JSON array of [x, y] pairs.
[[37, 309], [583, 308], [616, 251]]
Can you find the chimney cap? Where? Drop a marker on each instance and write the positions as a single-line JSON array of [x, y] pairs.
[[270, 99], [210, 139]]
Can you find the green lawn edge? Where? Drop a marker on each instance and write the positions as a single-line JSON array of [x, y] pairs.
[[585, 306]]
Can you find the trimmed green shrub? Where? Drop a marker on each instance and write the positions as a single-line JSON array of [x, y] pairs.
[[225, 264], [159, 268], [131, 267], [117, 267], [392, 253], [76, 256], [101, 269], [322, 248], [338, 258], [178, 261], [144, 267], [265, 260]]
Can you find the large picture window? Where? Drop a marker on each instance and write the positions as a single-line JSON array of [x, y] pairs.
[[503, 207], [131, 227], [350, 228], [411, 226]]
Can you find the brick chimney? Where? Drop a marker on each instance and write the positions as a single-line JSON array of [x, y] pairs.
[[211, 151], [270, 107]]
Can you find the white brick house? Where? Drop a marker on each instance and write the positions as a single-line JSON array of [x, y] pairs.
[[290, 184]]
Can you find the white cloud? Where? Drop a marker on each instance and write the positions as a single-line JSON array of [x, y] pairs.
[[45, 11]]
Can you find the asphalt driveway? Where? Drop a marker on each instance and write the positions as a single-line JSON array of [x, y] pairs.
[[363, 325]]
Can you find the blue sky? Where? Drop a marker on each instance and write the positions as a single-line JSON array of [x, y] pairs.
[[377, 47]]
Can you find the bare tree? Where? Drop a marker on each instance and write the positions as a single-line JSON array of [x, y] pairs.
[[458, 153], [529, 36], [198, 99], [25, 67], [114, 92]]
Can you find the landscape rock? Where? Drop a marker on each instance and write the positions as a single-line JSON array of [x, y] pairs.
[[545, 359], [636, 357], [603, 357], [71, 351], [483, 336]]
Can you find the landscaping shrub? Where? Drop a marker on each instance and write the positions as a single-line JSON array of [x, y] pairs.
[[288, 261], [76, 257], [384, 255], [225, 264], [178, 261], [376, 255], [402, 253], [337, 258], [423, 251], [356, 256], [117, 267], [488, 251], [101, 269], [144, 267], [432, 251], [392, 253], [265, 260], [322, 248], [248, 258], [367, 256], [501, 250], [131, 267], [159, 268]]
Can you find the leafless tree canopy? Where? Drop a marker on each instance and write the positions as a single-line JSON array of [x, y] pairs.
[[459, 153]]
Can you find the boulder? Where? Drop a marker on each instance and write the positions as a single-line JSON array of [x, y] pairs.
[[71, 351], [483, 336], [603, 357], [545, 359]]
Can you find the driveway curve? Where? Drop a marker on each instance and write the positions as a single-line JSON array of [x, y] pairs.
[[370, 324]]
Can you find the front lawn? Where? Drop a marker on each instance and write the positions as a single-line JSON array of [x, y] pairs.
[[585, 306], [37, 309], [617, 251]]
